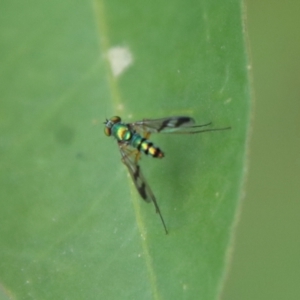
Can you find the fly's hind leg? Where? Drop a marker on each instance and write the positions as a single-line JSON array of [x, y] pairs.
[[146, 134], [129, 152]]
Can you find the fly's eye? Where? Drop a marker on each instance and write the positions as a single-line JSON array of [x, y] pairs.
[[115, 119], [107, 131]]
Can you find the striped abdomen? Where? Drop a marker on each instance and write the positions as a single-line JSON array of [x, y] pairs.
[[146, 146]]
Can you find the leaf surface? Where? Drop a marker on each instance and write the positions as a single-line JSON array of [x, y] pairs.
[[72, 225]]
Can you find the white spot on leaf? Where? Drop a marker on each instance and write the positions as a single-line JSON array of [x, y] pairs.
[[120, 107], [120, 58]]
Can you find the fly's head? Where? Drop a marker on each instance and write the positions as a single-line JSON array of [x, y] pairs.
[[110, 123]]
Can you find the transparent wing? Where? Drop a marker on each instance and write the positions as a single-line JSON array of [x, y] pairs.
[[130, 157], [179, 124], [163, 125]]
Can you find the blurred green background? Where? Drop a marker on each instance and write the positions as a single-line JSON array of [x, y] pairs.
[[266, 257]]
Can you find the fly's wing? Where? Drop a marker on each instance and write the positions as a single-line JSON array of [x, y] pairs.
[[180, 124], [170, 124], [130, 157]]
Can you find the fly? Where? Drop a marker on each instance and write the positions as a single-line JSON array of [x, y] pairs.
[[133, 138]]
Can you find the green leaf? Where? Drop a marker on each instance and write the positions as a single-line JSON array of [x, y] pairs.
[[72, 225]]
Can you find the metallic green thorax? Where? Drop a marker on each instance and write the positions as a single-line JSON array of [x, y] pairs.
[[121, 132]]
